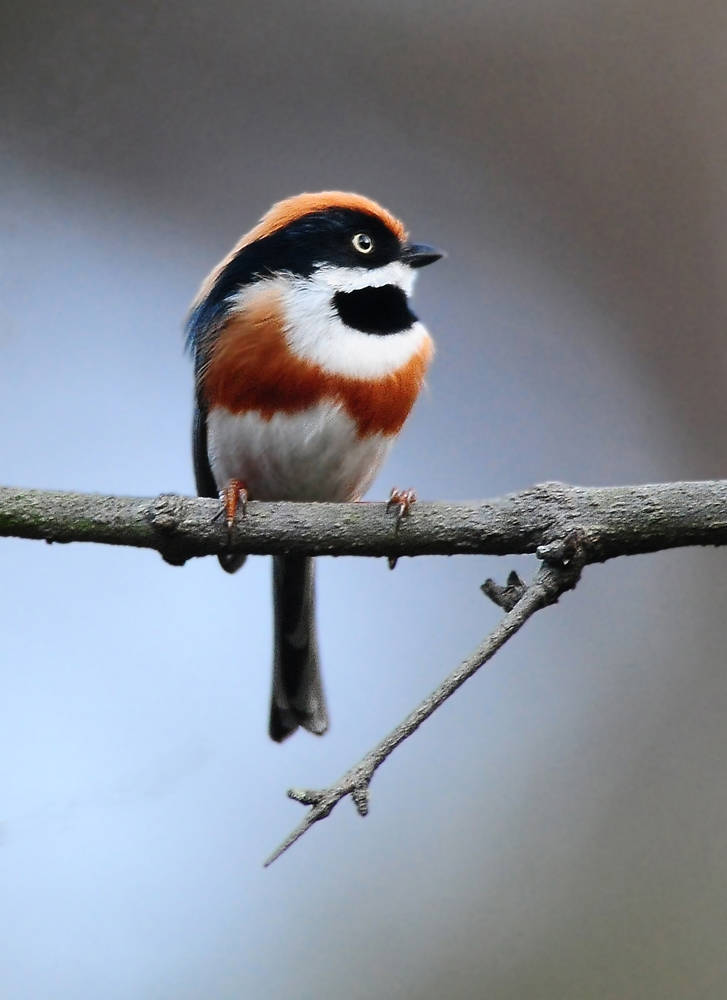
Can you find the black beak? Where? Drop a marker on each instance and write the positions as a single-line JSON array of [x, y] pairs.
[[419, 255]]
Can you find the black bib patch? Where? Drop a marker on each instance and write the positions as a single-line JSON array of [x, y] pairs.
[[379, 311]]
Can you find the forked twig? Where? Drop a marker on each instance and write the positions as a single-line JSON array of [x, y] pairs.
[[559, 571]]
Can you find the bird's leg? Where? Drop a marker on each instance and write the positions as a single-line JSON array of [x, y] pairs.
[[234, 495], [401, 501]]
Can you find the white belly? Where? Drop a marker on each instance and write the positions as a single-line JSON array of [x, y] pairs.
[[311, 456]]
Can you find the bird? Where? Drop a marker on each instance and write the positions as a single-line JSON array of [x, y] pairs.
[[308, 360]]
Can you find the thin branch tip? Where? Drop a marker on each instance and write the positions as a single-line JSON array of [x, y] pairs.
[[305, 797], [508, 596]]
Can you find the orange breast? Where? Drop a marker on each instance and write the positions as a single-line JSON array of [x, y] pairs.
[[252, 368]]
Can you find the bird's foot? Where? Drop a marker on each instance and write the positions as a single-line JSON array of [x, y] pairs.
[[401, 502], [234, 496]]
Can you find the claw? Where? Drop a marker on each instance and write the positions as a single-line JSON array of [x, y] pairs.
[[234, 495], [402, 500]]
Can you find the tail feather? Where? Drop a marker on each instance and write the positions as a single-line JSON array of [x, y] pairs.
[[297, 698]]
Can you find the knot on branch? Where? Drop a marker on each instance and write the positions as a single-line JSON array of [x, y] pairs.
[[360, 796], [562, 552], [166, 515], [562, 563]]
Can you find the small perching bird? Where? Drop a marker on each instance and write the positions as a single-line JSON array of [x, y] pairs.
[[308, 360]]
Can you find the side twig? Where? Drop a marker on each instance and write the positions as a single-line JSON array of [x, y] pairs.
[[559, 571]]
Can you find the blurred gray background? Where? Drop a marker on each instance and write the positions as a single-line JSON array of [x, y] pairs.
[[559, 830]]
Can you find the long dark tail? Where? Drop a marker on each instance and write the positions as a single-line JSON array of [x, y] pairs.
[[297, 690]]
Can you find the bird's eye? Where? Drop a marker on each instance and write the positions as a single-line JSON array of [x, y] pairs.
[[363, 243]]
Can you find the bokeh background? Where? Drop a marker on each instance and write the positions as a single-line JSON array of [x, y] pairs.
[[560, 828]]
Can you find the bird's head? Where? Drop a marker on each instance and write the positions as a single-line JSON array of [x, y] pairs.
[[340, 263]]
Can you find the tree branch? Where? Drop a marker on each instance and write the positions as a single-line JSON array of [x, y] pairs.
[[611, 521], [567, 527]]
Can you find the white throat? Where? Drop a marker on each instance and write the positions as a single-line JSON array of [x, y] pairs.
[[350, 279], [316, 333]]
